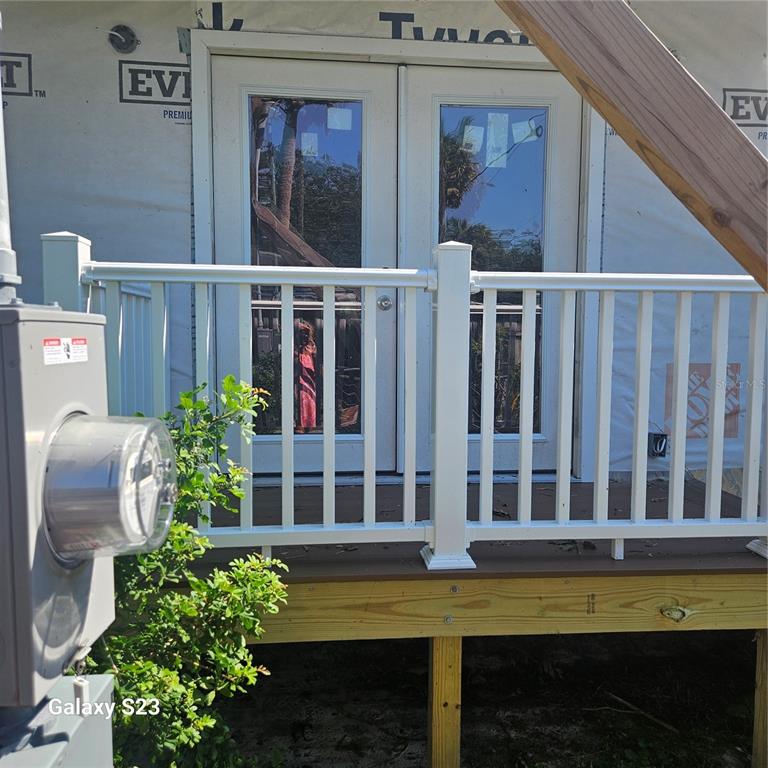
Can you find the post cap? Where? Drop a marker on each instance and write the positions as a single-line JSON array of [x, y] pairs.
[[454, 245], [64, 237]]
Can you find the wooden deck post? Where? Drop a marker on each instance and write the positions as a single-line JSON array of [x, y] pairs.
[[760, 733], [444, 738]]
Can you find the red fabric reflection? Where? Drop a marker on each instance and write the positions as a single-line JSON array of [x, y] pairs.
[[306, 383]]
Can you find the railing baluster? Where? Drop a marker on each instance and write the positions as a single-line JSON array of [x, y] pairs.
[[603, 426], [369, 405], [642, 400], [565, 414], [757, 355], [716, 426], [527, 384], [487, 406], [202, 366], [144, 379], [159, 343], [129, 360], [245, 337], [329, 405], [409, 409], [114, 342], [679, 429], [202, 336], [286, 390]]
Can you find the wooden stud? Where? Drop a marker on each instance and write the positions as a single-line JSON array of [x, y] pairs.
[[760, 732], [444, 735], [624, 71], [518, 605]]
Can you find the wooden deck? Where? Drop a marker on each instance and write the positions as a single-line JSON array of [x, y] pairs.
[[356, 591], [382, 591], [501, 558]]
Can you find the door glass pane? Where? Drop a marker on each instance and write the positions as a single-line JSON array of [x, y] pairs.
[[306, 210], [492, 176]]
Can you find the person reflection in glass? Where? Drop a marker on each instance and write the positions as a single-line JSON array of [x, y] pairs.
[[305, 377]]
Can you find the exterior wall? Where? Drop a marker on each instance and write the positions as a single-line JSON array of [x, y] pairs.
[[79, 159], [84, 155], [646, 229]]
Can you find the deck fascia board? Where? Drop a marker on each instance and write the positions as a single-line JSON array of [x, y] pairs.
[[460, 606]]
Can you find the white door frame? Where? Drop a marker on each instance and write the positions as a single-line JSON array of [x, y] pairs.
[[206, 43]]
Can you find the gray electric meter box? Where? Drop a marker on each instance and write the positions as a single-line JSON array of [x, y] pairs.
[[52, 369]]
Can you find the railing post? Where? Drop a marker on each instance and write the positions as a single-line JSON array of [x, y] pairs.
[[450, 403], [64, 253]]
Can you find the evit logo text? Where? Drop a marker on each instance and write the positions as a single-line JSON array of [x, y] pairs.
[[155, 82], [16, 71]]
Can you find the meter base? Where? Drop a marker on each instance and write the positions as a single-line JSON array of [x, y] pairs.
[[43, 739]]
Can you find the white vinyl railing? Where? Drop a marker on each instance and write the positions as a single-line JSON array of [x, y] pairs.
[[112, 279], [447, 532], [606, 286], [136, 367]]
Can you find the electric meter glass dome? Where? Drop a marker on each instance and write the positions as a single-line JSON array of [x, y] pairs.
[[110, 485]]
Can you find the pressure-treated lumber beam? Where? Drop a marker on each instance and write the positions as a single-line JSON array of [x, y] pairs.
[[444, 735], [622, 69], [760, 734], [526, 605]]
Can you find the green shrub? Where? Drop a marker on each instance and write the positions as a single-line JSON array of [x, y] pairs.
[[180, 638]]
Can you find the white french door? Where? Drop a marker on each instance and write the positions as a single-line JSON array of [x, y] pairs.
[[304, 175], [492, 159], [320, 163]]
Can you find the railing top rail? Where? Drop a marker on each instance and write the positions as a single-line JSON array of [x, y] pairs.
[[616, 281], [353, 277], [235, 274]]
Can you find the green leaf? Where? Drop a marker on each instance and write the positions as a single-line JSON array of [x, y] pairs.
[[180, 637]]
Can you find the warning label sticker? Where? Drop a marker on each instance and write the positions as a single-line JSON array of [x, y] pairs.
[[65, 349]]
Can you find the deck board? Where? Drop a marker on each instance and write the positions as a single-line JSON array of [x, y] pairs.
[[500, 559]]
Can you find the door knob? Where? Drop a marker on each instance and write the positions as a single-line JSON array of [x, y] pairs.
[[384, 303]]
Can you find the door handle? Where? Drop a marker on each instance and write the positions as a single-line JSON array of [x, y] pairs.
[[384, 303]]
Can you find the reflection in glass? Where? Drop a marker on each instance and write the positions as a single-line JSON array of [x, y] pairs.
[[306, 210], [492, 170]]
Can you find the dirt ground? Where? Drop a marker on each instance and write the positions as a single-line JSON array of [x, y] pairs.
[[681, 700]]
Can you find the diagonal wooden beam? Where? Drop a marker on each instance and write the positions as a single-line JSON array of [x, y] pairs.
[[624, 71]]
